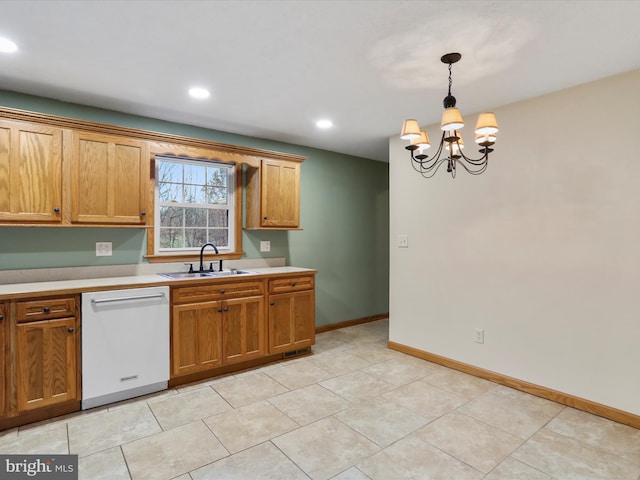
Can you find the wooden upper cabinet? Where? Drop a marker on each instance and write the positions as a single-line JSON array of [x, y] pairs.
[[109, 179], [273, 195], [30, 172]]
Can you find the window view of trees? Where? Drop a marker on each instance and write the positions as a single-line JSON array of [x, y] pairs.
[[195, 203]]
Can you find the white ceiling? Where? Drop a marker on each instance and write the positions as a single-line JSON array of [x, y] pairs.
[[275, 67]]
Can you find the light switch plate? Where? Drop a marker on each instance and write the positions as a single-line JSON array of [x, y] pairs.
[[403, 241], [265, 246], [478, 335], [103, 249]]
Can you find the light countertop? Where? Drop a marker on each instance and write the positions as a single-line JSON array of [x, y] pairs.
[[132, 281]]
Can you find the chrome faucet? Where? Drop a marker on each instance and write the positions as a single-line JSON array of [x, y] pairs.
[[202, 254]]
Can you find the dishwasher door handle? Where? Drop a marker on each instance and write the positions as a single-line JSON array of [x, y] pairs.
[[119, 299]]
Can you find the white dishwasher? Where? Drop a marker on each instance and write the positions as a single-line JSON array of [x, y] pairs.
[[125, 344]]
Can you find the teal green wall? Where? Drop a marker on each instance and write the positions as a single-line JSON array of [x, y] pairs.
[[344, 209]]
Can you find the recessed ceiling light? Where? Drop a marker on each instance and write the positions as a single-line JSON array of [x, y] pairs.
[[197, 92], [324, 124], [7, 46]]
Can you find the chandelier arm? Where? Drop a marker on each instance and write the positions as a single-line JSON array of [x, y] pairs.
[[419, 167], [432, 171], [483, 167], [475, 161], [424, 164]]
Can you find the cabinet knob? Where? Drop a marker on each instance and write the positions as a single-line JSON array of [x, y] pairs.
[[221, 291], [226, 309], [219, 309], [143, 213], [272, 303], [56, 210], [71, 330], [264, 218], [1, 318], [46, 310], [293, 284]]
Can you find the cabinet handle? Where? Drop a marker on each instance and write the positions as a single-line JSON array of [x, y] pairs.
[[143, 213], [71, 330], [56, 210], [272, 303], [46, 310]]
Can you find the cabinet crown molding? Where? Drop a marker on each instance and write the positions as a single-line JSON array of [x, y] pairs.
[[66, 122]]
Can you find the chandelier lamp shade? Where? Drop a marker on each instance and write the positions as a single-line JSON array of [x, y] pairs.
[[451, 145]]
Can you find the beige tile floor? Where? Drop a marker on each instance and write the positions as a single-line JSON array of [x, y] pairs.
[[354, 410]]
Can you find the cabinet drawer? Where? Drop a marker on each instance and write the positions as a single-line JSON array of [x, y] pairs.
[[220, 291], [291, 284], [45, 309]]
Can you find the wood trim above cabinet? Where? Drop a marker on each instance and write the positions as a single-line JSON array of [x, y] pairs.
[[166, 138]]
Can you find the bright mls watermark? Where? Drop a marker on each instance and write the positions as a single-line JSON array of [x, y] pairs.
[[50, 467]]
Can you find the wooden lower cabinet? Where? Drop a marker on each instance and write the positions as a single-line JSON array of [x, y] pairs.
[[196, 337], [291, 313], [243, 329], [291, 321], [3, 363], [221, 325], [46, 363], [40, 361]]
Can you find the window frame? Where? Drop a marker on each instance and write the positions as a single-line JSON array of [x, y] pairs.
[[234, 251]]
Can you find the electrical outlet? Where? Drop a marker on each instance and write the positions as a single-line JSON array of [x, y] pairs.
[[478, 335], [103, 249], [265, 246], [403, 241]]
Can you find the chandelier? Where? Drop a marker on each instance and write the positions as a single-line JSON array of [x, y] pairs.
[[451, 144]]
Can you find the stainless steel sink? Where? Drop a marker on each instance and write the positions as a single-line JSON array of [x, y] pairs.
[[187, 275], [227, 273]]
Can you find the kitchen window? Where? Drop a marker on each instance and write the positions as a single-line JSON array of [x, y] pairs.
[[194, 205]]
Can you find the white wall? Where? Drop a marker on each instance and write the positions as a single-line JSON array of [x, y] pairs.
[[542, 251]]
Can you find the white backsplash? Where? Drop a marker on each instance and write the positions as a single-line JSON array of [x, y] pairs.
[[77, 273]]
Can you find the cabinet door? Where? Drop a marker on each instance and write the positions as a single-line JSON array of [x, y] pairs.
[[244, 329], [109, 178], [280, 194], [196, 337], [3, 363], [46, 362], [30, 172], [291, 321]]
